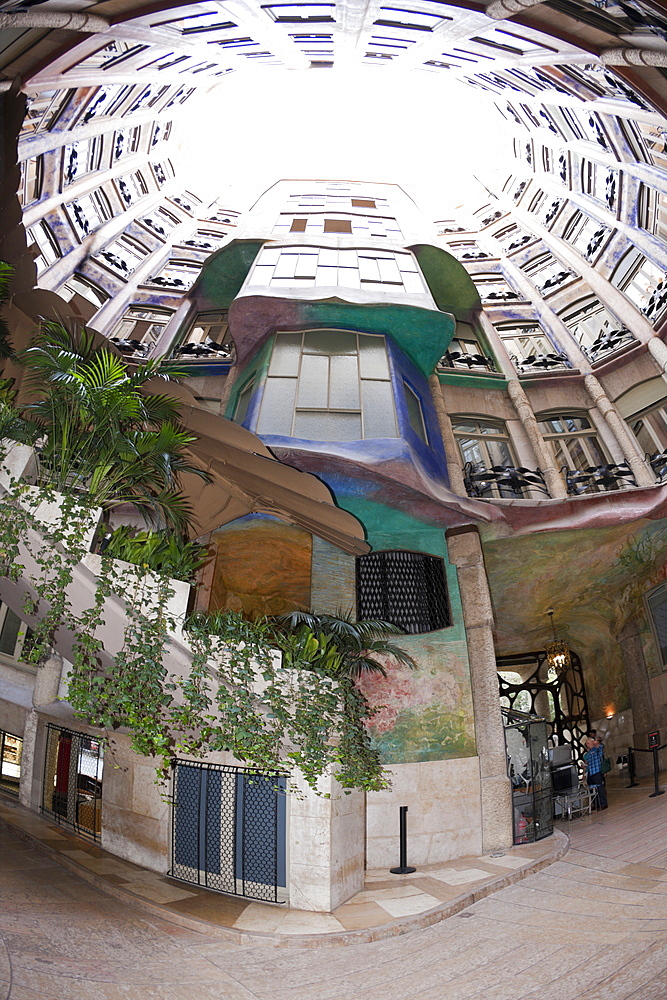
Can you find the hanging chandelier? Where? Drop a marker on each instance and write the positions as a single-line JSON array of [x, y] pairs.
[[558, 651]]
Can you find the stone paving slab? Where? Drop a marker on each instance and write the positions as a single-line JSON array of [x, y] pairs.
[[387, 906]]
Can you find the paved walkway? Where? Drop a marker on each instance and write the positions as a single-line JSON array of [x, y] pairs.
[[592, 926]]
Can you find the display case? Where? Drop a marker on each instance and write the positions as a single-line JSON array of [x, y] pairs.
[[530, 773]]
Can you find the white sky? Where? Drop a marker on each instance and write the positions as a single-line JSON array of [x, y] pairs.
[[374, 123]]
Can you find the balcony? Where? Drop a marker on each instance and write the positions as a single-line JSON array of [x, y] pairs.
[[540, 362], [608, 342], [598, 478], [207, 350], [502, 482], [658, 463], [471, 362]]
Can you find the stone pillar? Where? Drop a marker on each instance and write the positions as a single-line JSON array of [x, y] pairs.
[[327, 836], [658, 349], [465, 551], [552, 476], [640, 469], [28, 760], [454, 464], [641, 701], [47, 680]]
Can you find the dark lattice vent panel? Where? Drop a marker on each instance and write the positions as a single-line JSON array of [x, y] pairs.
[[406, 588]]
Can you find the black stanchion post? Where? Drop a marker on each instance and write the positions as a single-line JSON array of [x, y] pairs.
[[657, 790], [631, 769], [403, 868]]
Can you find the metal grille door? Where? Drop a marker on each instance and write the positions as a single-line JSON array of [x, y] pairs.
[[229, 830], [72, 791]]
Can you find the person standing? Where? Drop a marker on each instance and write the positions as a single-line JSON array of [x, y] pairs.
[[594, 774]]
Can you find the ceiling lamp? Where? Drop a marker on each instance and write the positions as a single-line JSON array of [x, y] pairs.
[[558, 651]]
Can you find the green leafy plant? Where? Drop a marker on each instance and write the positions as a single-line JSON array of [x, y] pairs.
[[6, 271], [159, 551], [100, 433]]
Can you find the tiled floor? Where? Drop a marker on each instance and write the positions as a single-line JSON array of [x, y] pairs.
[[591, 926], [389, 903]]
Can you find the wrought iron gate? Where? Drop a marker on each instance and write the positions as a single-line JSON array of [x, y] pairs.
[[228, 830], [72, 790]]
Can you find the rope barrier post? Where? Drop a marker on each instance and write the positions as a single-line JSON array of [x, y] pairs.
[[631, 769], [403, 867], [657, 790]]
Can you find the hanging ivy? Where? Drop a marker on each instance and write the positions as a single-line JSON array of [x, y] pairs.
[[270, 697]]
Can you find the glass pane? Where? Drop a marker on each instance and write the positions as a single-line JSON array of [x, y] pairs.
[[277, 407], [499, 453], [373, 361], [243, 402], [378, 409], [9, 633], [465, 426], [343, 384], [313, 380], [415, 416], [471, 450], [330, 342], [285, 357], [327, 426]]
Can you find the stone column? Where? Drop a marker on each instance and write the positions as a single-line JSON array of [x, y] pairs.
[[552, 476], [465, 551], [28, 760], [658, 349], [641, 701], [454, 464], [47, 680], [640, 469]]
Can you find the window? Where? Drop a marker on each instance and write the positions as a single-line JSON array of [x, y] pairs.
[[161, 222], [572, 441], [179, 275], [301, 13], [14, 634], [523, 342], [328, 385], [126, 141], [81, 158], [337, 226], [89, 212], [123, 255], [86, 296], [208, 337], [140, 328], [11, 751], [32, 174], [311, 266], [484, 444], [415, 412], [132, 187], [547, 273], [363, 203], [586, 235], [493, 286], [600, 182], [644, 283], [650, 429], [408, 589], [47, 250], [594, 328], [656, 601], [43, 110], [243, 401]]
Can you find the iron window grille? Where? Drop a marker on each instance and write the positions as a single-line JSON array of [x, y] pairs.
[[72, 789], [229, 830], [503, 481], [406, 588]]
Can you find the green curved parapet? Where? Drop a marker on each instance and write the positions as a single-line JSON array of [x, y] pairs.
[[224, 272], [450, 284]]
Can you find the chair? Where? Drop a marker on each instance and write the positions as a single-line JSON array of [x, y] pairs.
[[575, 802]]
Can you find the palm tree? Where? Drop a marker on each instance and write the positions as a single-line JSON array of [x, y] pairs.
[[339, 645], [100, 433]]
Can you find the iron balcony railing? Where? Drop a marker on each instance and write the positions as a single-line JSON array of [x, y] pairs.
[[608, 342], [598, 478], [457, 359], [658, 463], [208, 350], [540, 362], [502, 481]]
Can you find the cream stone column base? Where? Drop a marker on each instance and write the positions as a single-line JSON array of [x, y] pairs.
[[465, 551]]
